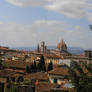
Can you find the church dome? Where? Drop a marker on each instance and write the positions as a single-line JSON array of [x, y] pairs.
[[61, 45]]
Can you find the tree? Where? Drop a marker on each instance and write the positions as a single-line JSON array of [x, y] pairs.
[[42, 63], [42, 60], [20, 79], [38, 66], [81, 80], [27, 69], [50, 66], [32, 67], [35, 66]]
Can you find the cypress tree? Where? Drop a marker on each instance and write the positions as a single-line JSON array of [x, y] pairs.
[[50, 66], [35, 66], [38, 66], [32, 67], [27, 69], [42, 63]]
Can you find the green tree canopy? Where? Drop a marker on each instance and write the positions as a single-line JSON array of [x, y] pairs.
[[81, 80], [42, 63], [50, 66]]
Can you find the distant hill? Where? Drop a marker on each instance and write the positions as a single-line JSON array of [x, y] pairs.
[[24, 48], [73, 50]]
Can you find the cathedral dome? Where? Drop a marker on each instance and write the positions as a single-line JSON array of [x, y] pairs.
[[61, 46]]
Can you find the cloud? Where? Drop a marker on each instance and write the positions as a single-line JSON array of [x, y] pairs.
[[50, 31], [27, 3], [79, 37], [1, 22], [90, 17], [29, 34], [69, 8]]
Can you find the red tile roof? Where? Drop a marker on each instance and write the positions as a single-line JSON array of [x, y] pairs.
[[44, 87], [60, 71], [37, 76], [16, 64]]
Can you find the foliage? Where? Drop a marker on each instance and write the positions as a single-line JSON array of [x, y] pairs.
[[39, 66], [50, 66], [42, 64], [32, 68], [80, 79], [20, 79], [27, 69], [35, 66]]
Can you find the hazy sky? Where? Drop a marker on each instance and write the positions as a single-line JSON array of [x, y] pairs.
[[27, 22]]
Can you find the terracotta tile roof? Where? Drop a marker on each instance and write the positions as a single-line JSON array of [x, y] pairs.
[[47, 55], [17, 74], [16, 71], [44, 86], [52, 56], [37, 76], [6, 73], [16, 64], [61, 45], [60, 71]]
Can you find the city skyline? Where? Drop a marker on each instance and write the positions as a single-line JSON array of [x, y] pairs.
[[28, 22]]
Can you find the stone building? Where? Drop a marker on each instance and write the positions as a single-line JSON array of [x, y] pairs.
[[88, 53], [85, 57], [42, 48], [59, 75]]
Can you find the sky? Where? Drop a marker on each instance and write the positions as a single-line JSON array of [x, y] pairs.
[[25, 23]]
